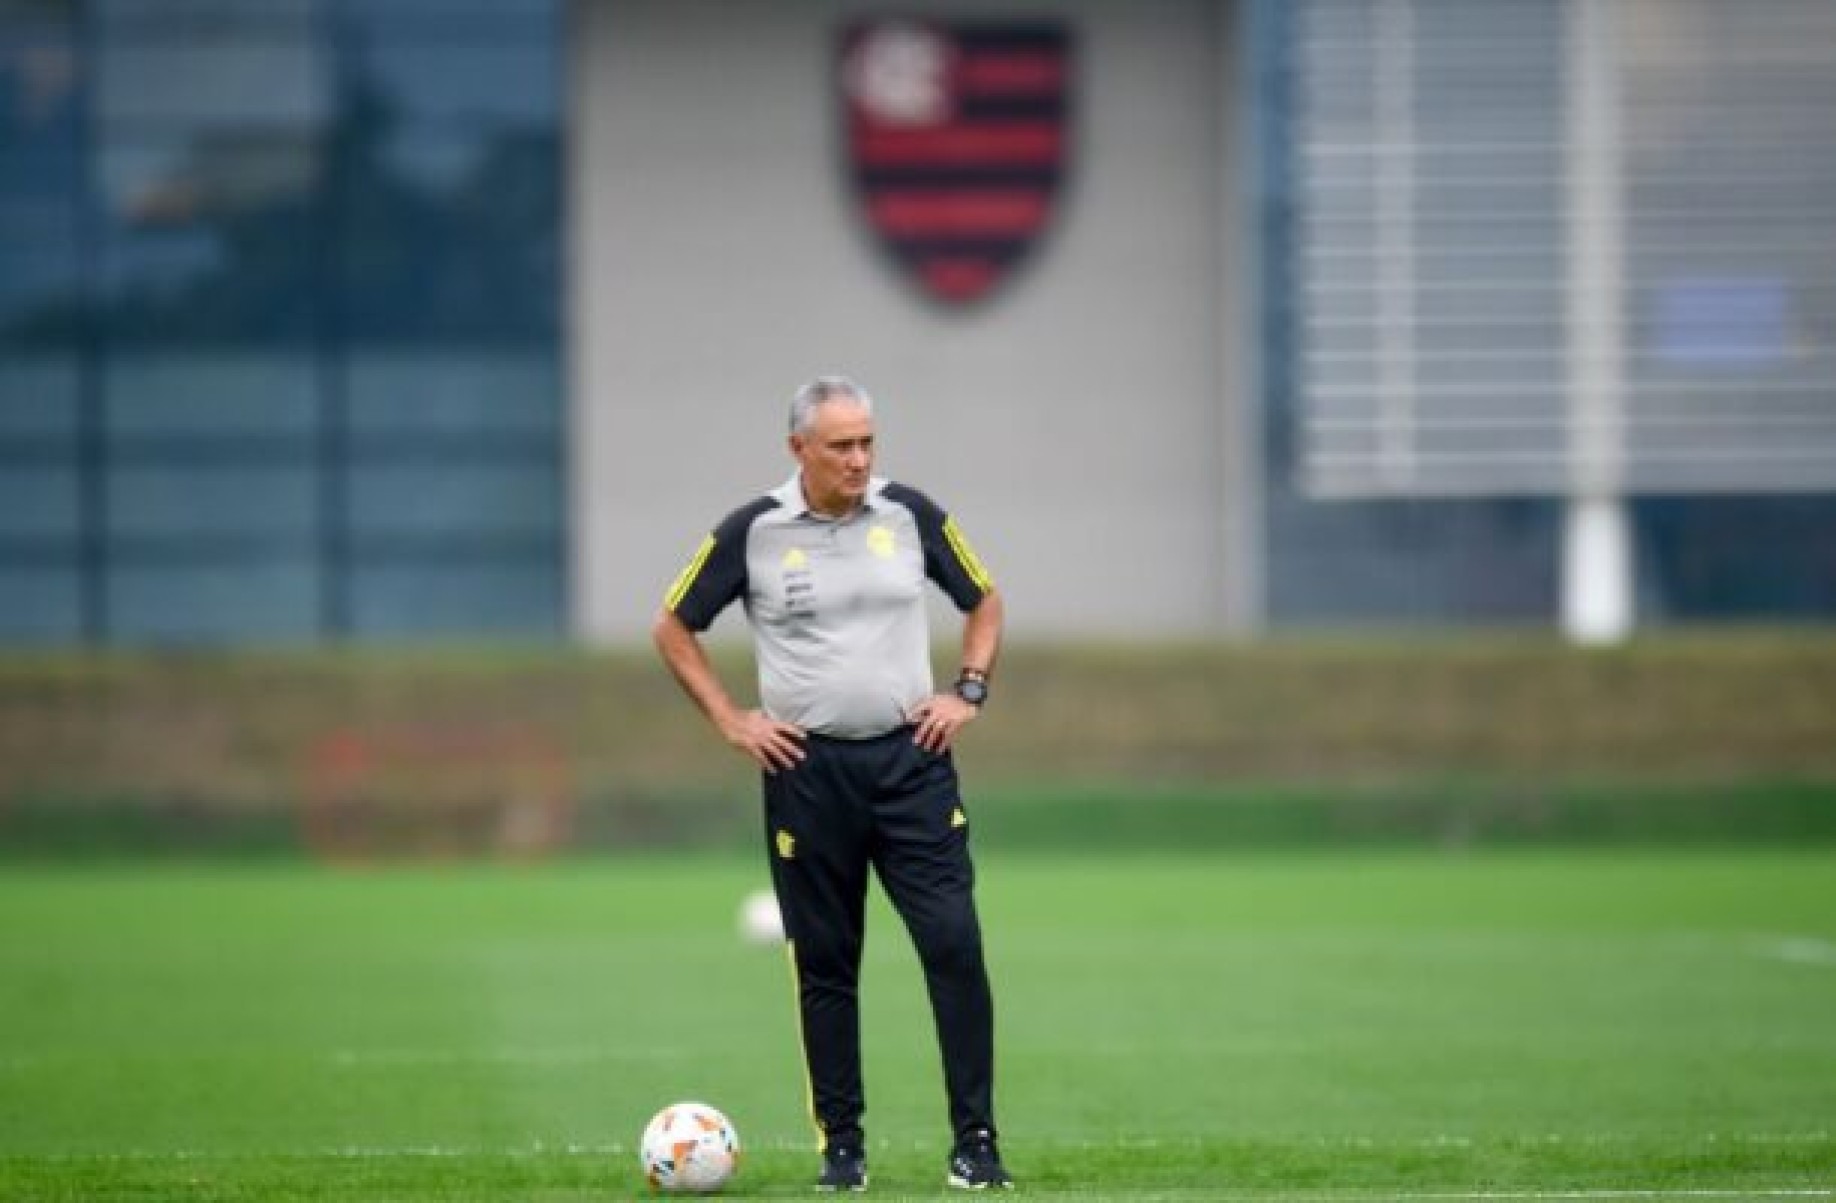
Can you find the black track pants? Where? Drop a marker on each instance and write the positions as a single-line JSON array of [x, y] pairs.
[[890, 804]]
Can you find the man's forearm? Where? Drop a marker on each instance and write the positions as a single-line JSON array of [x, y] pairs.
[[772, 745], [688, 662], [982, 634]]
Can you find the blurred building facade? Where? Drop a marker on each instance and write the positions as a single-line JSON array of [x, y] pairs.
[[280, 289], [378, 319]]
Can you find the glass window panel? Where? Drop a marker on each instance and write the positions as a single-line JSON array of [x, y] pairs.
[[215, 394], [276, 597], [213, 234], [1737, 557], [213, 81], [38, 603], [44, 227], [40, 184], [40, 293], [456, 501], [38, 501], [452, 235], [158, 181], [38, 395], [453, 392], [41, 16], [40, 120], [208, 501], [437, 21], [511, 597], [418, 82], [210, 239], [170, 18]]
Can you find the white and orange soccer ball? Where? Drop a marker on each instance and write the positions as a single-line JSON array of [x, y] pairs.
[[689, 1148]]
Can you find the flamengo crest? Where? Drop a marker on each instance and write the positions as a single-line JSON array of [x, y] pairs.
[[958, 134]]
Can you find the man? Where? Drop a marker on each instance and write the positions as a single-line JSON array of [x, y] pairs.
[[855, 751]]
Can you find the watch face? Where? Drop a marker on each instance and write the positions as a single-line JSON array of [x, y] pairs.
[[972, 691]]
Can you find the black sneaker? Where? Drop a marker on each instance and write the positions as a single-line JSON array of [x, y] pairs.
[[976, 1165], [843, 1168]]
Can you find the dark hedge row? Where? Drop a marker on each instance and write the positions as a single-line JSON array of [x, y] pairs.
[[535, 748]]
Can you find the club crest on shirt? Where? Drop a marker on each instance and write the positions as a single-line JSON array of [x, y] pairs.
[[880, 542]]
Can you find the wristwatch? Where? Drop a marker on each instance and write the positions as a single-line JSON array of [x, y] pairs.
[[972, 686]]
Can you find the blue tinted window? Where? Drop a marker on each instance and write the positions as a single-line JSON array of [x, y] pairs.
[[38, 500], [279, 315], [40, 122], [213, 395], [207, 241], [45, 225], [40, 300], [453, 500], [38, 397], [426, 18], [213, 82], [402, 393], [420, 82], [176, 18], [452, 235], [210, 500], [505, 596], [39, 603], [1737, 557], [272, 598]]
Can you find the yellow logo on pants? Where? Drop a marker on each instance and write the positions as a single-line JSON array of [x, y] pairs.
[[787, 845]]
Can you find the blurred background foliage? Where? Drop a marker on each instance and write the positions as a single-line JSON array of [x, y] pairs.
[[366, 752]]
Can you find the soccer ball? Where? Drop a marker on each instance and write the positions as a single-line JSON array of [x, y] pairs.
[[759, 920], [689, 1148]]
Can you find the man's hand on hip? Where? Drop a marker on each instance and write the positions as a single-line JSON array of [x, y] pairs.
[[772, 745], [939, 718]]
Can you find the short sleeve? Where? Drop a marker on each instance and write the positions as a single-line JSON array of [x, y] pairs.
[[948, 558], [716, 574]]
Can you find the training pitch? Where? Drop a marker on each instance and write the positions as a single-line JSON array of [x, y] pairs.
[[1484, 1026]]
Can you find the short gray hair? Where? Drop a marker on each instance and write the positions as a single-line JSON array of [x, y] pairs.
[[820, 391]]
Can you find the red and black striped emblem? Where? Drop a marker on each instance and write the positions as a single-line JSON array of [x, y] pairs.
[[958, 133]]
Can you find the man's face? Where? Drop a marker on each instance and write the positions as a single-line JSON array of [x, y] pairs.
[[836, 454]]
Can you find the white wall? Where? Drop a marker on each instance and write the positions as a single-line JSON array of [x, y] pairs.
[[1079, 425]]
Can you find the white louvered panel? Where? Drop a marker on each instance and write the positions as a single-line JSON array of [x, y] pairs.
[[1429, 282], [1730, 194], [1437, 266]]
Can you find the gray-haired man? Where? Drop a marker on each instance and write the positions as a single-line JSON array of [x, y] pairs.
[[855, 748]]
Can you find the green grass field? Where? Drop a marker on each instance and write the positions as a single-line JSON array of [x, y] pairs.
[[1309, 1026]]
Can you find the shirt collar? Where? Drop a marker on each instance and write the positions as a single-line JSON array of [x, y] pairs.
[[790, 496]]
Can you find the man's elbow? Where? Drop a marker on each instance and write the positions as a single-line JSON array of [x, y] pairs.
[[667, 631]]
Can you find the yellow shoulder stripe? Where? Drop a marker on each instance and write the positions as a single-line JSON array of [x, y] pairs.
[[686, 581], [965, 555]]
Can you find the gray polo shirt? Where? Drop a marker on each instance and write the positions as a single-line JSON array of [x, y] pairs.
[[836, 605]]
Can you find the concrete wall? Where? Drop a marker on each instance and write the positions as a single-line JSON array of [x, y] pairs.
[[1083, 425]]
